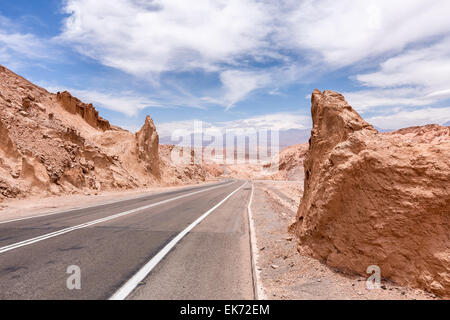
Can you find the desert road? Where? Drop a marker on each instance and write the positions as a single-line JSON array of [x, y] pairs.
[[192, 243]]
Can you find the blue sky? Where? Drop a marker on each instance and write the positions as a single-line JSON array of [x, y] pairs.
[[235, 63]]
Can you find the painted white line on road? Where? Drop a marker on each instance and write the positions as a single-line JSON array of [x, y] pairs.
[[131, 284], [88, 224], [93, 206], [259, 290]]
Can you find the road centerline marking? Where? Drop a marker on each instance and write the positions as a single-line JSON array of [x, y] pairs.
[[131, 284], [91, 223]]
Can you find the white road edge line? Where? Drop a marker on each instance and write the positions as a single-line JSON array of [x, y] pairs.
[[88, 224], [131, 284], [51, 213], [259, 289]]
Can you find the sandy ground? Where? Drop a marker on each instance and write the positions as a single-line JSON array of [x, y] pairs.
[[287, 275], [24, 208]]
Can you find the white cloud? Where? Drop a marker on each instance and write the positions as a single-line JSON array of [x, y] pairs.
[[16, 47], [145, 38], [366, 100], [233, 39], [26, 45], [166, 129], [416, 77], [127, 103], [155, 36], [425, 67], [239, 84], [276, 121], [408, 118], [347, 31]]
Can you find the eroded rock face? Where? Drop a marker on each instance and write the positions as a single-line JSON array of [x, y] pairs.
[[56, 144], [46, 151], [86, 111], [377, 199], [9, 168], [147, 140], [7, 147], [291, 166]]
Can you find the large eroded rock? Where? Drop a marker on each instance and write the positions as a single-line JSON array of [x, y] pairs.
[[377, 199], [86, 111], [56, 144], [148, 146]]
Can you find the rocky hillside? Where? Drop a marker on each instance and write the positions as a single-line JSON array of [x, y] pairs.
[[377, 199], [287, 165], [55, 144], [291, 163]]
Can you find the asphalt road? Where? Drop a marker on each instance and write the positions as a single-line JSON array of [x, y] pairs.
[[110, 243]]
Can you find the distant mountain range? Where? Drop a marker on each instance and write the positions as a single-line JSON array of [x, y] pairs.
[[381, 130], [294, 136], [287, 138]]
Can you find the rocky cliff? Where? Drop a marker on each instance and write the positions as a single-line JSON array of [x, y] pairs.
[[376, 199], [147, 140], [55, 144], [86, 111], [290, 167]]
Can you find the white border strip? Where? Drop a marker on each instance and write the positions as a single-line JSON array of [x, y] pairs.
[[259, 289], [88, 224], [131, 284]]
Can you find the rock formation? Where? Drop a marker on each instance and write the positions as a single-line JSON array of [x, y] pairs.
[[147, 140], [9, 159], [86, 111], [377, 199], [290, 167], [7, 147], [55, 144]]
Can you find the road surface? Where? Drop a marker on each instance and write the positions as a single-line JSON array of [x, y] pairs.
[[114, 243]]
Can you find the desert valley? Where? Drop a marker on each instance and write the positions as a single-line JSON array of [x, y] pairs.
[[350, 198]]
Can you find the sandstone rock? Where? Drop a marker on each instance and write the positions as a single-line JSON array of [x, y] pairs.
[[147, 140], [86, 111], [9, 168], [290, 163], [34, 173], [7, 146], [377, 199], [7, 190], [26, 103], [75, 177], [67, 148]]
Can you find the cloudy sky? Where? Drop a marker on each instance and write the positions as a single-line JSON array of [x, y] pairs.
[[235, 62]]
